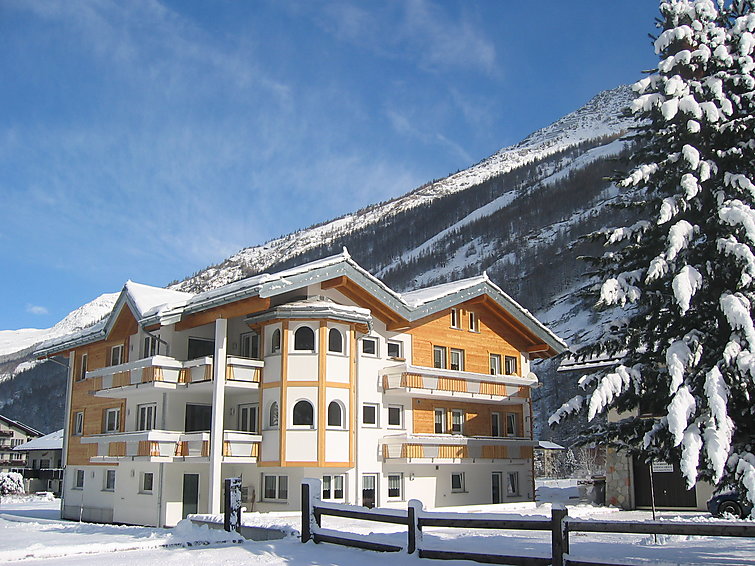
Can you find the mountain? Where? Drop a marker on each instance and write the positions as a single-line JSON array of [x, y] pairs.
[[518, 214]]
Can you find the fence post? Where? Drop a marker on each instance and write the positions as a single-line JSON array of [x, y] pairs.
[[559, 534], [414, 531], [306, 531]]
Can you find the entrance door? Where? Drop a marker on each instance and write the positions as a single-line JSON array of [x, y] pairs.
[[369, 487], [497, 481], [190, 494]]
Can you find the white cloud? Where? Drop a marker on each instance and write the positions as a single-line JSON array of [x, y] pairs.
[[36, 309]]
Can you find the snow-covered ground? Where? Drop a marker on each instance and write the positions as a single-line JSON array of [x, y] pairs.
[[31, 533]]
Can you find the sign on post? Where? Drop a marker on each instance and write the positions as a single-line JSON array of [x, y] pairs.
[[232, 520]]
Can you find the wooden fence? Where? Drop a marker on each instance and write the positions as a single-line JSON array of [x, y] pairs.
[[415, 518]]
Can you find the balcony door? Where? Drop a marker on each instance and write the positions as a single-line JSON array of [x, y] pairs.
[[198, 417], [496, 486], [369, 490], [190, 497]]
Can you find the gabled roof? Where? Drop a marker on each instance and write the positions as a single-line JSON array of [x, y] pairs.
[[153, 306], [52, 441], [26, 428]]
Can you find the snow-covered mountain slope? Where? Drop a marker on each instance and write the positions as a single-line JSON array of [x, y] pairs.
[[602, 117]]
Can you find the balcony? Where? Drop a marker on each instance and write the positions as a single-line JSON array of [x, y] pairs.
[[461, 385], [446, 448], [169, 446], [43, 473], [162, 372]]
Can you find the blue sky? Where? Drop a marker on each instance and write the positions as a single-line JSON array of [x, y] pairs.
[[148, 139]]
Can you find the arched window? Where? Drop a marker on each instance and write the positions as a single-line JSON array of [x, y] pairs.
[[335, 414], [304, 413], [335, 341], [273, 418], [304, 338], [275, 341]]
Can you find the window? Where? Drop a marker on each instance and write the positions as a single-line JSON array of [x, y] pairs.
[[395, 350], [394, 486], [495, 364], [495, 424], [200, 347], [335, 341], [145, 419], [457, 359], [249, 345], [83, 366], [304, 339], [275, 341], [395, 413], [275, 487], [440, 421], [473, 323], [78, 424], [512, 486], [511, 429], [112, 420], [78, 480], [369, 346], [116, 355], [439, 357], [147, 481], [304, 413], [454, 318], [198, 417], [457, 482], [335, 414], [457, 421], [109, 480], [150, 347], [332, 487], [248, 418], [273, 415], [369, 414], [510, 363]]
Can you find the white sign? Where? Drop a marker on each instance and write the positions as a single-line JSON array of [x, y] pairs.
[[662, 467]]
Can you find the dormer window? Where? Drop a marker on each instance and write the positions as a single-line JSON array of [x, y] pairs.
[[304, 339]]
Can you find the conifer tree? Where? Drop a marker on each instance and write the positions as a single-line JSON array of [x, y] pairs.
[[679, 285]]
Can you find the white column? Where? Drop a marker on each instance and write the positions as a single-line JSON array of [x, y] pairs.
[[67, 425], [218, 409]]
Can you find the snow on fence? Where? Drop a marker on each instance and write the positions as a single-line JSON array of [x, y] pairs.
[[415, 518]]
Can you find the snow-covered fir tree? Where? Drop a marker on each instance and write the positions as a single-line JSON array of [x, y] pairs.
[[680, 284]]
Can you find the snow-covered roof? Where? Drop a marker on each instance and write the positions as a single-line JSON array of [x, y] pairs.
[[153, 305], [573, 364], [52, 441], [19, 425]]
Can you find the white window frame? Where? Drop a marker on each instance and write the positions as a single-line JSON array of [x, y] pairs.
[[460, 413], [373, 340], [342, 415], [400, 409], [83, 366], [150, 346], [342, 351], [78, 479], [269, 416], [455, 319], [142, 482], [299, 328], [376, 408], [150, 418], [400, 345], [507, 360], [117, 422], [278, 481], [113, 350], [460, 354], [474, 322], [78, 423], [495, 364], [462, 488], [306, 426], [511, 425], [444, 425], [275, 345], [253, 417], [400, 496], [496, 423], [442, 360], [246, 345], [512, 484], [330, 487], [107, 484]]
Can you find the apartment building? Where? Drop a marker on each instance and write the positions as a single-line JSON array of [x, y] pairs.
[[13, 434], [316, 371]]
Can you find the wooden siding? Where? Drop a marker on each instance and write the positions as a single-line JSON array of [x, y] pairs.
[[477, 416], [494, 337]]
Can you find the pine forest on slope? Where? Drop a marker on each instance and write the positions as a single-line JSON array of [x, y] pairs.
[[518, 215]]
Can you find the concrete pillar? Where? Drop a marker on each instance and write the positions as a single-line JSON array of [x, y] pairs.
[[218, 410]]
